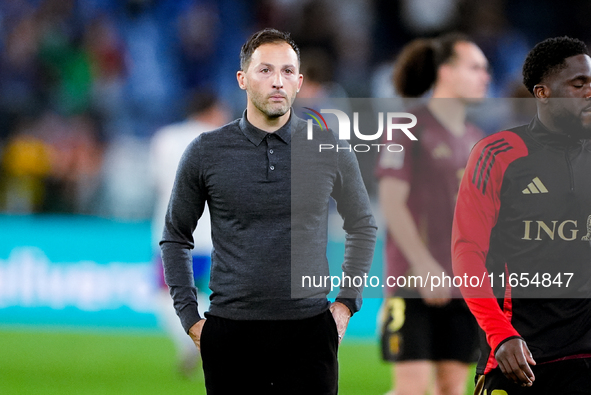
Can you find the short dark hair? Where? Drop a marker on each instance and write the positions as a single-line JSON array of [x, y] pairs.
[[265, 36], [548, 57]]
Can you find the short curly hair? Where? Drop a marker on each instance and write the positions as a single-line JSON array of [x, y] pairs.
[[548, 57]]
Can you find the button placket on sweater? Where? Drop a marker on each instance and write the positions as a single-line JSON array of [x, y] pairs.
[[272, 159]]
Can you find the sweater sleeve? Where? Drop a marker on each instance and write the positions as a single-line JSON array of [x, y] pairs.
[[476, 215], [359, 224], [185, 207]]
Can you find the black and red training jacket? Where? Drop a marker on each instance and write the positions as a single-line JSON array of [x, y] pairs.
[[521, 242]]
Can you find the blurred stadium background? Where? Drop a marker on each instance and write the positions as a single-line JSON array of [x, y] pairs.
[[85, 84]]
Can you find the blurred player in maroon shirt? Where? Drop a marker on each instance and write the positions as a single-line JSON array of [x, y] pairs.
[[427, 332]]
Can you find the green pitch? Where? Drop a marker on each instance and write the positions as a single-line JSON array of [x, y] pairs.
[[45, 362]]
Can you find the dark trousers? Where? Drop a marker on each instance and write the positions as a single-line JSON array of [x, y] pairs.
[[270, 357], [569, 377]]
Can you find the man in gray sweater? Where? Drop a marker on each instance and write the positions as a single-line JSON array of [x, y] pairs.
[[268, 189]]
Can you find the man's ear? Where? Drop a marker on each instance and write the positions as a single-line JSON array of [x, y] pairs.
[[241, 77], [300, 82], [541, 92]]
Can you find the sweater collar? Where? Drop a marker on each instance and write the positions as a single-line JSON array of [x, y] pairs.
[[256, 135]]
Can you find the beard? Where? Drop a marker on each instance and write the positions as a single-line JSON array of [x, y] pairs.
[[271, 110], [571, 123]]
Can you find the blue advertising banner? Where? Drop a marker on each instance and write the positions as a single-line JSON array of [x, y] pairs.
[[66, 270], [89, 272]]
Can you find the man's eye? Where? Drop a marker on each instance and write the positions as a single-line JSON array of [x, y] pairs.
[[264, 70], [289, 71]]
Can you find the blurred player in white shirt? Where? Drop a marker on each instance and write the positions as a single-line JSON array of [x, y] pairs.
[[206, 113]]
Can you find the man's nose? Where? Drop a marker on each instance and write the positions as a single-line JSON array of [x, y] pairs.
[[277, 81]]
